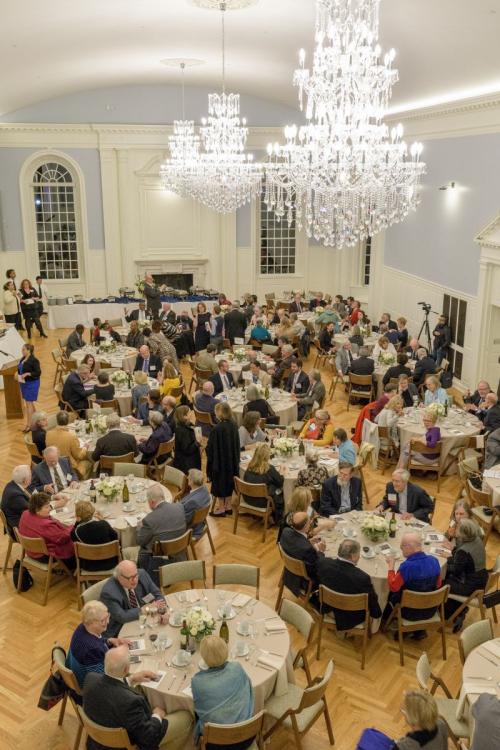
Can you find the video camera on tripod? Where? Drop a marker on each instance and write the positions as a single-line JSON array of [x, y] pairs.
[[426, 306]]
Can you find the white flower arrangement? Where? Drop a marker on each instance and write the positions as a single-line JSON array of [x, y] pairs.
[[97, 424], [139, 285], [386, 358], [106, 347], [224, 308], [375, 527], [142, 324], [108, 488], [319, 309], [119, 378], [240, 354], [200, 622], [285, 446], [363, 330], [436, 409]]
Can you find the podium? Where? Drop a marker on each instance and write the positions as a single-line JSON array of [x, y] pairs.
[[13, 402]]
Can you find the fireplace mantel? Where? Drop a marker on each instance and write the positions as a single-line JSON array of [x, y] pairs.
[[198, 267]]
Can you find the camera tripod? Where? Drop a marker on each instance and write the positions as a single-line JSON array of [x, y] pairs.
[[425, 328]]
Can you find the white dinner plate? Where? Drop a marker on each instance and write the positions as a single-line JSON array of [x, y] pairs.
[[177, 663], [230, 616]]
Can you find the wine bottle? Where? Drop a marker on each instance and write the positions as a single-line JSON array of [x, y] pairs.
[[92, 492], [184, 635], [125, 492], [302, 449], [393, 526], [266, 393], [446, 408], [224, 630]]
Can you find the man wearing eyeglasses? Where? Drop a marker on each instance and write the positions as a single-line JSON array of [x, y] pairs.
[[127, 594]]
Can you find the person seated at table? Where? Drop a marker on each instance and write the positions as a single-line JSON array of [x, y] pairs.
[[317, 301], [152, 403], [466, 568], [346, 448], [412, 349], [472, 401], [428, 731], [315, 394], [223, 379], [388, 417], [325, 337], [396, 370], [115, 442], [490, 413], [302, 502], [148, 362], [187, 448], [342, 575], [90, 528], [110, 333], [16, 495], [124, 593], [329, 315], [38, 429], [258, 376], [54, 474], [339, 306], [74, 391], [418, 572], [278, 354], [204, 401], [296, 542], [298, 381], [461, 511], [431, 438], [486, 714], [344, 359], [261, 471], [37, 522], [297, 326], [492, 449], [375, 407], [139, 389], [137, 315], [392, 333], [383, 346], [425, 366], [205, 359], [104, 390], [284, 328], [284, 365], [318, 429], [135, 338], [75, 340], [87, 647], [110, 700], [408, 391], [402, 496], [250, 432], [341, 493], [260, 333], [255, 402], [171, 379], [198, 497], [68, 444], [434, 393], [93, 365], [161, 434], [223, 693], [95, 332], [356, 339], [313, 475]]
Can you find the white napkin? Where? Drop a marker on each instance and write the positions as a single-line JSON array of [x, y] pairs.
[[119, 523], [275, 626], [268, 661], [154, 683], [138, 644], [132, 521], [471, 687], [440, 552], [493, 647], [241, 600], [187, 691], [434, 536]]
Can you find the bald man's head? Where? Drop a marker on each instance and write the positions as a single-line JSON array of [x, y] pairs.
[[116, 662], [411, 542], [208, 388]]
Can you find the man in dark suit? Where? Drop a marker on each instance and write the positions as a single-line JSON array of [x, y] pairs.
[[316, 393], [297, 306], [406, 498], [325, 337], [74, 392], [396, 370], [126, 594], [341, 493], [222, 380], [317, 301], [473, 400], [152, 294], [425, 366], [294, 542], [363, 365], [110, 700], [16, 495], [412, 349], [54, 474], [169, 405], [167, 315], [490, 414], [343, 576], [147, 362], [235, 323], [205, 402], [298, 381], [114, 442], [138, 315], [75, 340], [135, 337], [285, 364]]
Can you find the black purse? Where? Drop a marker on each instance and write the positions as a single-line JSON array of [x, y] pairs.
[[492, 599], [53, 690]]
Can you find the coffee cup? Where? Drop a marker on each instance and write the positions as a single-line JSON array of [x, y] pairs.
[[244, 627], [226, 609], [182, 656], [240, 648], [176, 618]]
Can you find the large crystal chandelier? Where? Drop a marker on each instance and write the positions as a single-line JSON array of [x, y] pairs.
[[343, 174], [220, 175]]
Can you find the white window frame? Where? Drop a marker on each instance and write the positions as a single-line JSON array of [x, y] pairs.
[[298, 246]]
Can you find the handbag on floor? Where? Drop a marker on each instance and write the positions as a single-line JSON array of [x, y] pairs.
[[372, 739], [27, 580], [53, 690]]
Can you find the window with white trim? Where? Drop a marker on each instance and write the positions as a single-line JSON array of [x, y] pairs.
[[53, 189], [277, 242]]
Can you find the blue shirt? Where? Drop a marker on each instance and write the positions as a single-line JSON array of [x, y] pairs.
[[347, 452]]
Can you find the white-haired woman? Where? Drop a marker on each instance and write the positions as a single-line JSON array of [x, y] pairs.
[[466, 568], [427, 730], [88, 648], [434, 393]]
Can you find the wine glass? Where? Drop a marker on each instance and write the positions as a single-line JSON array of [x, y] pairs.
[[142, 620], [153, 637]]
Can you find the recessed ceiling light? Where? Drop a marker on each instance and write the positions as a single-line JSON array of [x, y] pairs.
[[176, 62], [230, 4]]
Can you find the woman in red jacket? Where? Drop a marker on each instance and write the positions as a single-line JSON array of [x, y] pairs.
[[37, 522]]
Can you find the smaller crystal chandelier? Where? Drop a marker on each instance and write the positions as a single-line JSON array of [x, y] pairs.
[[215, 170]]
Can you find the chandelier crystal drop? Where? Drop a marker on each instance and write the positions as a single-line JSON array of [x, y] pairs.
[[344, 175], [215, 170]]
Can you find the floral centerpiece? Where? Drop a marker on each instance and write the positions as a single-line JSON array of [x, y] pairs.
[[200, 622], [386, 358], [139, 285], [375, 528], [109, 489], [107, 346], [319, 309], [142, 324], [285, 445], [364, 330], [97, 424], [120, 378], [240, 354], [224, 308], [436, 409]]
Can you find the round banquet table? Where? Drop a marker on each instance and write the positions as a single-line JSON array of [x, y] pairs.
[[376, 567], [236, 367], [456, 428], [289, 467], [124, 357], [88, 440], [123, 517], [493, 485], [369, 341], [124, 395], [280, 402], [173, 692], [481, 674]]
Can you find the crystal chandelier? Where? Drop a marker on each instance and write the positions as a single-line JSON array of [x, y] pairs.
[[220, 174], [344, 175]]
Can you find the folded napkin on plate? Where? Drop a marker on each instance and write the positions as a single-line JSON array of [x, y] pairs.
[[472, 687], [269, 661], [241, 600], [119, 523], [154, 683], [493, 647], [275, 626], [132, 521], [187, 691]]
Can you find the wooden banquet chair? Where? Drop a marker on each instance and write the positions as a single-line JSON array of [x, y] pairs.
[[37, 545], [256, 491], [73, 688], [172, 547], [187, 571], [435, 467], [155, 467], [361, 387], [244, 575], [10, 542], [472, 636], [107, 463], [346, 603], [85, 552], [123, 469], [176, 481], [219, 735], [297, 571], [200, 516], [300, 619], [479, 501], [113, 738]]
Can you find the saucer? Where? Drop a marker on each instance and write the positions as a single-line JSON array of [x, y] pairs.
[[128, 508], [243, 653], [230, 616], [175, 624], [240, 631], [368, 555], [178, 662]]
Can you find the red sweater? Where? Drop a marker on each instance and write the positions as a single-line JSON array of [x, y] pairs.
[[57, 536]]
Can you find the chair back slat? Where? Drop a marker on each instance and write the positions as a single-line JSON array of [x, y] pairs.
[[199, 516], [424, 599], [31, 544], [294, 566], [315, 693], [346, 602], [360, 379], [203, 417], [185, 570], [170, 547], [96, 551], [108, 462], [59, 656], [112, 738], [249, 489], [229, 734], [424, 449]]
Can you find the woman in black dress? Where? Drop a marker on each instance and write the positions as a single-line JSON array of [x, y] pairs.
[[202, 332], [187, 448], [30, 309], [223, 458], [89, 529], [255, 402]]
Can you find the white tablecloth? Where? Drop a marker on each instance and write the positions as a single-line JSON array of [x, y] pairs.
[[11, 343], [283, 406], [124, 357], [481, 674], [67, 316]]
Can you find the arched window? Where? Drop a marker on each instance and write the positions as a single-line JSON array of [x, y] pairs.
[[53, 189]]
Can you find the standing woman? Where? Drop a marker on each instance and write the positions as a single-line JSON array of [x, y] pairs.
[[187, 449], [223, 458], [28, 377], [216, 328], [202, 332], [29, 306], [11, 305]]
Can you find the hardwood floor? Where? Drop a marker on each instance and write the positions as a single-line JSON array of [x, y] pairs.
[[356, 698]]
